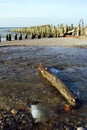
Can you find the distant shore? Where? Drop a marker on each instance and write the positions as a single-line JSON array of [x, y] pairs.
[[67, 42]]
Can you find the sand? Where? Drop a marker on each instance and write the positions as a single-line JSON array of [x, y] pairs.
[[75, 42]]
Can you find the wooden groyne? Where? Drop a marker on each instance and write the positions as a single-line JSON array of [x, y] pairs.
[[48, 31], [19, 36]]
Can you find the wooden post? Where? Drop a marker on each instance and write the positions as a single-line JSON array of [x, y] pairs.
[[6, 37], [78, 30], [20, 37], [9, 37], [65, 29], [33, 36], [86, 32], [71, 27], [26, 36], [82, 31], [39, 36], [15, 37], [0, 38]]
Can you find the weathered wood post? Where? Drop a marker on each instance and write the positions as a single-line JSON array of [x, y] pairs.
[[9, 37], [82, 31], [20, 37], [65, 29], [61, 30], [39, 36], [58, 30], [0, 38], [85, 31], [78, 30], [26, 36], [71, 27], [15, 36], [33, 35], [6, 37]]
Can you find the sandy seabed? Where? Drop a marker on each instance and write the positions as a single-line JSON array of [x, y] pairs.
[[71, 42]]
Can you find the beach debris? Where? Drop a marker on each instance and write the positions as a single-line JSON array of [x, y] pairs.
[[14, 111], [67, 108], [60, 86]]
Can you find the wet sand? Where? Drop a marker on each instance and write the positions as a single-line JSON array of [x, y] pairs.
[[75, 42]]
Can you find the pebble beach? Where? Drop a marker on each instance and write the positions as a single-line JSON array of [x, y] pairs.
[[22, 88]]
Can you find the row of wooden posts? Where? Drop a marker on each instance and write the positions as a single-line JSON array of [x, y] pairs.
[[33, 35], [21, 36], [53, 31], [16, 37]]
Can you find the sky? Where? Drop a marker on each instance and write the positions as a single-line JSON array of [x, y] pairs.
[[25, 13]]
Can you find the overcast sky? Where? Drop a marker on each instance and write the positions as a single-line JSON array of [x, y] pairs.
[[38, 12]]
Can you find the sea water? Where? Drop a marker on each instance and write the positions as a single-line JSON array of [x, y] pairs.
[[6, 30]]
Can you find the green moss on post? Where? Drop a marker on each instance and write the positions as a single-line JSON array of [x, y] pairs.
[[50, 35], [46, 31], [8, 37]]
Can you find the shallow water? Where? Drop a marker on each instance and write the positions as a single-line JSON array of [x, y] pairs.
[[21, 83]]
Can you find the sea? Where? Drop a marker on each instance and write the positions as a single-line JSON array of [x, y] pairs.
[[6, 30]]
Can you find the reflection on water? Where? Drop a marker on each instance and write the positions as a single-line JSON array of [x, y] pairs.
[[21, 82]]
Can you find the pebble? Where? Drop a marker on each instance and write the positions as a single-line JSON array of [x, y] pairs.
[[7, 121], [14, 111], [24, 119], [20, 119], [16, 120], [81, 128]]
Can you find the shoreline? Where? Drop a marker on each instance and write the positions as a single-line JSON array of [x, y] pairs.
[[63, 42]]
